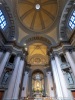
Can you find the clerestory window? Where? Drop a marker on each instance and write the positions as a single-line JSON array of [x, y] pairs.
[[72, 20], [2, 20]]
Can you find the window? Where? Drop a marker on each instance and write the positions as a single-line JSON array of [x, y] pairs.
[[72, 20], [2, 20]]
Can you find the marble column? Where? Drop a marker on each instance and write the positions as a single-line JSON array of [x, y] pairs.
[[71, 61], [48, 83], [61, 78], [1, 56], [1, 53], [3, 62], [73, 54], [45, 85], [18, 80], [51, 85], [25, 85], [13, 79], [56, 79], [30, 82]]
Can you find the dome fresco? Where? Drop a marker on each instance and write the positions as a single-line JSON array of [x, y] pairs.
[[37, 15]]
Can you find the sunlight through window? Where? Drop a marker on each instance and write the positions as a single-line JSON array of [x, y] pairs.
[[72, 20], [2, 20]]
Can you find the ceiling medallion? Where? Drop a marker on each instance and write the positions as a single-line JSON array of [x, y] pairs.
[[37, 15]]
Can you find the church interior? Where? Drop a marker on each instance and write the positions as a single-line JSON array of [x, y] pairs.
[[37, 49]]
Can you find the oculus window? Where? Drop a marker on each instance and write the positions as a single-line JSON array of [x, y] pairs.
[[2, 20]]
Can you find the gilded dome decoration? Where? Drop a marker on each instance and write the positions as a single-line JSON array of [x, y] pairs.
[[37, 15]]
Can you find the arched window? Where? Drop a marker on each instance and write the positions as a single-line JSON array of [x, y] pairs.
[[2, 20], [72, 20]]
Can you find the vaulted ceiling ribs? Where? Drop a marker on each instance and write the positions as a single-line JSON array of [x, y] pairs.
[[40, 18]]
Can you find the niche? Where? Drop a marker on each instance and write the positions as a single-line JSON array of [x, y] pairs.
[[11, 59], [63, 58]]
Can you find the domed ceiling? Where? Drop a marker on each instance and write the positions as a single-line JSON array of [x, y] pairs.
[[37, 15]]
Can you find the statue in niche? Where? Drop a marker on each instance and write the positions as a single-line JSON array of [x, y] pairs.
[[5, 77]]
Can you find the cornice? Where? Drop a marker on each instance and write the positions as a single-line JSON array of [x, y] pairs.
[[59, 45]]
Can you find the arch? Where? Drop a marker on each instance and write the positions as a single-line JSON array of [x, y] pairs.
[[38, 38], [39, 58], [63, 22], [36, 71]]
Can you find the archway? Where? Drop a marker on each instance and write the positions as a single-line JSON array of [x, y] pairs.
[[37, 59], [38, 83]]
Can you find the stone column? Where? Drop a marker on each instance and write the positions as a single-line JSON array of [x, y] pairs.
[[30, 82], [3, 62], [56, 79], [73, 54], [25, 85], [71, 61], [1, 53], [13, 79], [18, 80], [51, 85], [45, 85], [47, 92], [48, 83], [61, 78], [1, 56]]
